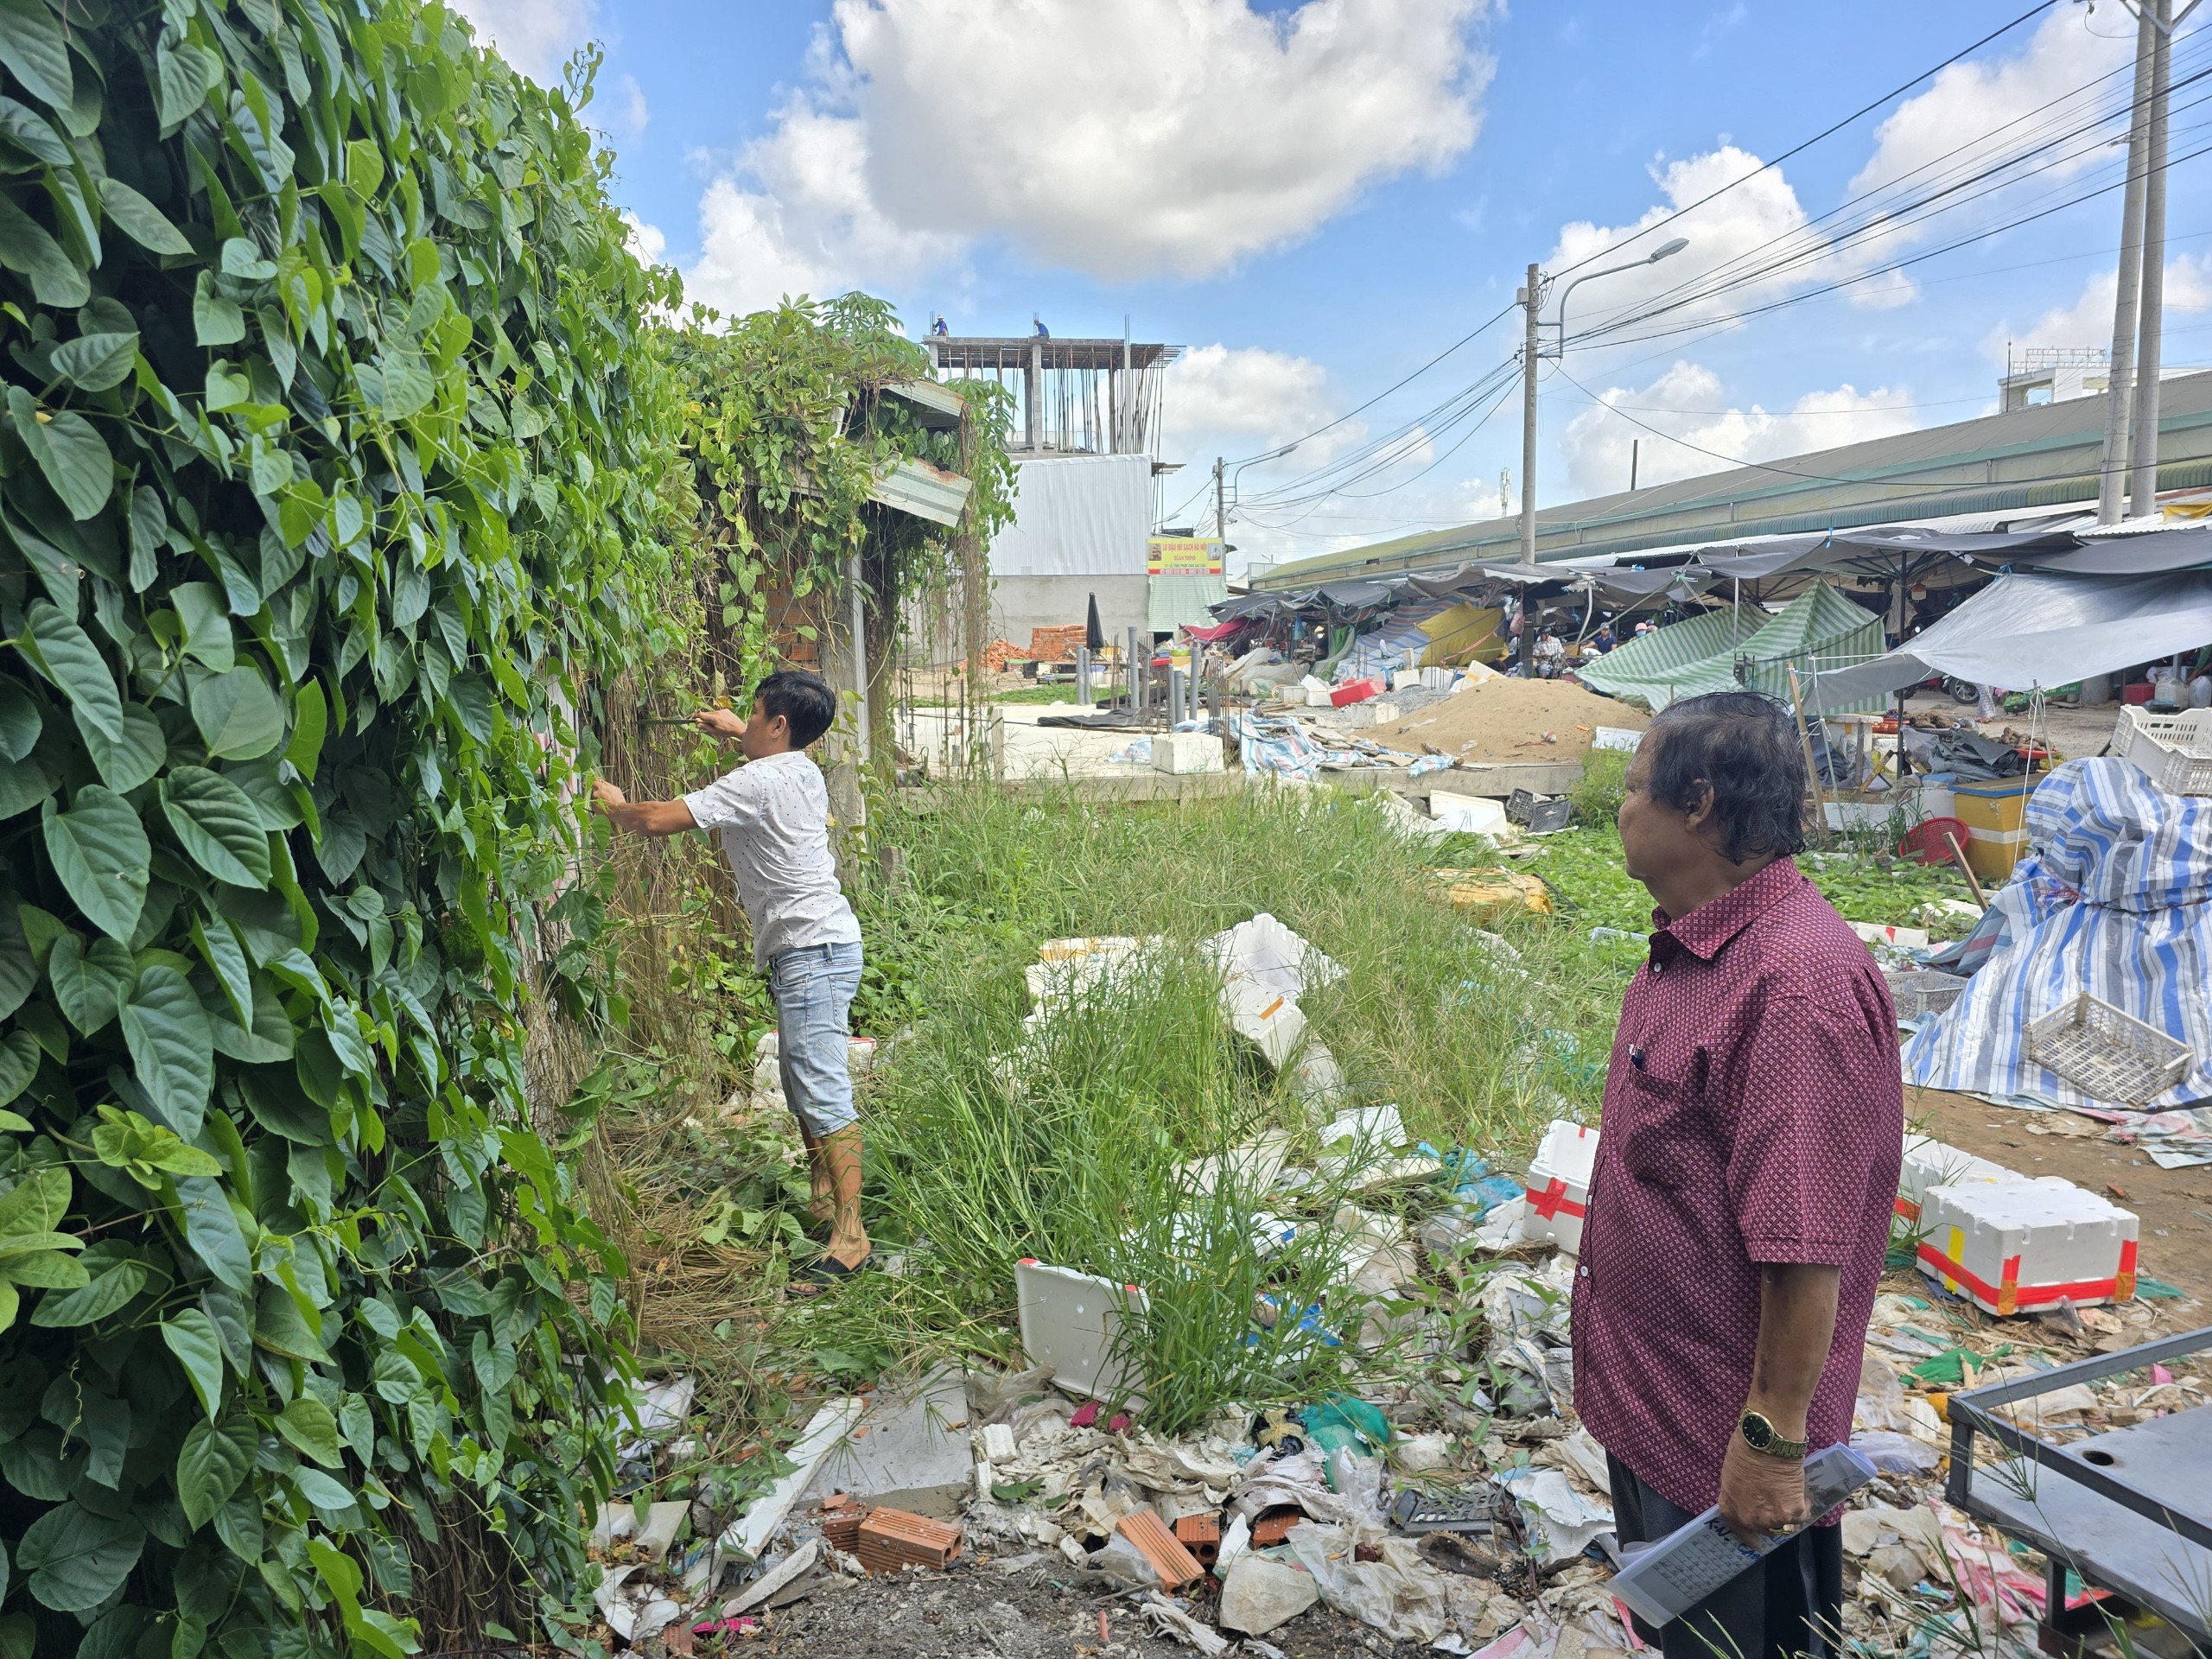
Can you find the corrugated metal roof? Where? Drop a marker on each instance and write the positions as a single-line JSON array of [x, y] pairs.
[[927, 492], [2030, 460]]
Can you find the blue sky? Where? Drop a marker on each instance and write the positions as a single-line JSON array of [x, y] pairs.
[[1319, 197]]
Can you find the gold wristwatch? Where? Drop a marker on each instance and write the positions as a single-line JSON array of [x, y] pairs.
[[1763, 1438]]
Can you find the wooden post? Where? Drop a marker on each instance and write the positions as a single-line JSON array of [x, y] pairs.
[[1805, 738]]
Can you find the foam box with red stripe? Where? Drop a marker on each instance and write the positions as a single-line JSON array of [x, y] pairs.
[[1557, 1188], [1929, 1162], [2019, 1247]]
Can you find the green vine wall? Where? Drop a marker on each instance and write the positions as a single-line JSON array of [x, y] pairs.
[[333, 445]]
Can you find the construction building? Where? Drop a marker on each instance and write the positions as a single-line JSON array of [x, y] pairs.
[[1086, 503]]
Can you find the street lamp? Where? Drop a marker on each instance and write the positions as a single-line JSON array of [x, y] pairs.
[[1532, 300]]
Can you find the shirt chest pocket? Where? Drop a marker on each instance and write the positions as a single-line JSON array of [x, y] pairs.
[[1665, 1132]]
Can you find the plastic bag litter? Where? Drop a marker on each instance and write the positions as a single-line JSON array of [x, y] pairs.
[[1123, 1565], [994, 1396], [1881, 1396], [1559, 1518], [1398, 1593], [1169, 1620], [1894, 1454]]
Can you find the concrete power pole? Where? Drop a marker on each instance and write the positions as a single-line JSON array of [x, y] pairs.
[[1532, 299], [1220, 504], [2142, 496], [2112, 470]]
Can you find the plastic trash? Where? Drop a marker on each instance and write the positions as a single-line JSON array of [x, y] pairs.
[[1893, 1453], [1559, 1519], [1356, 1478], [1341, 1420], [1397, 1593]]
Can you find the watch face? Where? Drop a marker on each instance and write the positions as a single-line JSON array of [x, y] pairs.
[[1758, 1433]]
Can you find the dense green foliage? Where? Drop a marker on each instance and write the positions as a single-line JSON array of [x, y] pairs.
[[786, 427], [330, 427]]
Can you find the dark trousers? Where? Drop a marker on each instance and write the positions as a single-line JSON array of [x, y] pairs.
[[1789, 1604]]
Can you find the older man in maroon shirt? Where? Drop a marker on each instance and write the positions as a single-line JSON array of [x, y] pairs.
[[1748, 1160]]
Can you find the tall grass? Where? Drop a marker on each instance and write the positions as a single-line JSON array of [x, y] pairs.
[[988, 1143]]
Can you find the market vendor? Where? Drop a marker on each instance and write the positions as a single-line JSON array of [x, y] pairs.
[[1746, 1165]]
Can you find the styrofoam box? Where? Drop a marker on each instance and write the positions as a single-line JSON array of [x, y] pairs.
[[1071, 1321], [1475, 814], [2015, 1247], [1184, 752], [1929, 1162], [1270, 1020], [1559, 1185]]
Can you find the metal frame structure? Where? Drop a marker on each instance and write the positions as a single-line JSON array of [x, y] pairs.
[[2130, 1510], [1079, 397]]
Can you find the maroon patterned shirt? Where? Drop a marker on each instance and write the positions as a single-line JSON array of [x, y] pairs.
[[1754, 1113]]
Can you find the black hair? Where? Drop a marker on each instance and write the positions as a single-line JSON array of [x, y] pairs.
[[804, 701], [1744, 748]]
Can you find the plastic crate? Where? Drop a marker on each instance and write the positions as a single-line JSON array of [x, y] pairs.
[[2106, 1053], [1918, 991], [2173, 751]]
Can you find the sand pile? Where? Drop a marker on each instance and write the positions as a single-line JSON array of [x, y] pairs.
[[1506, 720]]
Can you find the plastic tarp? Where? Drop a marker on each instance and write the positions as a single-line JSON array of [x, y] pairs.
[[2114, 898], [1077, 515], [2030, 630], [1818, 630], [2153, 554], [1424, 633]]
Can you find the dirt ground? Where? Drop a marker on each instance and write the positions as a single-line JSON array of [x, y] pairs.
[[981, 1610], [2174, 1205], [1504, 720]]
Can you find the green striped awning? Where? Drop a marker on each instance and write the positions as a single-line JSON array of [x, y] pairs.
[[1818, 631]]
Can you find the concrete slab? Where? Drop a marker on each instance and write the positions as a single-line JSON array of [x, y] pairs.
[[911, 1450]]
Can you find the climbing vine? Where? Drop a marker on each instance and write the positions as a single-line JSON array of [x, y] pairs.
[[334, 442]]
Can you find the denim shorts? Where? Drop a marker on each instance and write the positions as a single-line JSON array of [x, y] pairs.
[[814, 985]]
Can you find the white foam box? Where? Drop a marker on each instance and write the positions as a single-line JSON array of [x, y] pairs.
[[1929, 1162], [1185, 753], [1072, 1322], [1477, 814], [1558, 1186], [1270, 1020], [2019, 1247]]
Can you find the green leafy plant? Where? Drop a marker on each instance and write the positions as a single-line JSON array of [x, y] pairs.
[[334, 447]]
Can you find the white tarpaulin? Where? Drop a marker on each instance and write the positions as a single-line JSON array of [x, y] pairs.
[[1077, 515], [2026, 631]]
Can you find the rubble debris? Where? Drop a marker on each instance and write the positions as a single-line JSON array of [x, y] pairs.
[[891, 1539], [793, 1568], [910, 1451], [1380, 1580], [749, 1535], [1200, 1533], [662, 1522], [1165, 1616], [1175, 1566]]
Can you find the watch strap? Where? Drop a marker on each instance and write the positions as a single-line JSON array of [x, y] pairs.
[[1761, 1435]]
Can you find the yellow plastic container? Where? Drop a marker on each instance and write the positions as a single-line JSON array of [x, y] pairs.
[[1994, 814]]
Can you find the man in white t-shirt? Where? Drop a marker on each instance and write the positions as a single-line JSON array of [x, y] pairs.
[[772, 817]]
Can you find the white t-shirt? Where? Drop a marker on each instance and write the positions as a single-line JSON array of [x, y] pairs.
[[773, 816]]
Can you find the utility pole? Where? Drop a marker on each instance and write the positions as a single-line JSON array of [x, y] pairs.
[[1220, 504], [2143, 497], [1634, 453], [1532, 300], [2112, 469]]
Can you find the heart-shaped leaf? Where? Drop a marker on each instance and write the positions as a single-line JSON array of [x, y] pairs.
[[205, 614], [192, 1337], [18, 1063], [69, 451], [213, 1460], [267, 1040], [70, 660], [115, 1281], [100, 851], [217, 824], [73, 1560], [212, 1230], [219, 949], [18, 967], [96, 362], [27, 248], [310, 719], [20, 722], [90, 981], [238, 715], [215, 321], [140, 220], [36, 53], [37, 1202], [45, 1270], [127, 762], [172, 1050], [313, 1430]]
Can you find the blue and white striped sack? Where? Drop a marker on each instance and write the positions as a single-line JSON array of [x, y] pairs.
[[2114, 898]]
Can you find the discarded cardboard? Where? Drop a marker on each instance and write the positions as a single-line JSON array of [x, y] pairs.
[[1071, 1321]]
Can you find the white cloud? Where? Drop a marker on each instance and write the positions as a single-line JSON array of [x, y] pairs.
[[1688, 402], [536, 36], [647, 242], [636, 112], [1193, 133], [1989, 108], [1255, 393], [2087, 322]]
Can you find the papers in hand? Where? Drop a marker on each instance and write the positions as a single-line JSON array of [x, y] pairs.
[[1672, 1576]]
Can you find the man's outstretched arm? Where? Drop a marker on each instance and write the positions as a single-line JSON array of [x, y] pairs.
[[643, 817]]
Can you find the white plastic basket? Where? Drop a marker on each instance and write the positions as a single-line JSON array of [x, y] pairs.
[[2106, 1053], [1923, 990], [2174, 750]]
